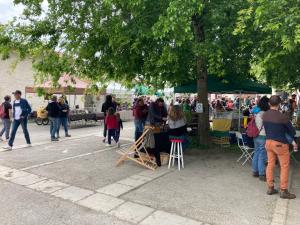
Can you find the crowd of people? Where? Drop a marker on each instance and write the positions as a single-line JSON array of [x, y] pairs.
[[156, 113], [16, 113], [274, 130], [58, 111]]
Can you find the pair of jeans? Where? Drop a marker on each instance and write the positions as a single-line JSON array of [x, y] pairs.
[[112, 133], [63, 121], [15, 125], [6, 128], [139, 128], [54, 125], [278, 150], [260, 156]]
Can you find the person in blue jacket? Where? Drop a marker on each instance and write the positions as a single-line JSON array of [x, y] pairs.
[[21, 111]]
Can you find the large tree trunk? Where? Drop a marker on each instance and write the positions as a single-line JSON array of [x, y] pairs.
[[201, 66]]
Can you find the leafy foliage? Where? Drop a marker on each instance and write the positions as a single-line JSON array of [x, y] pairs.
[[134, 42], [274, 28]]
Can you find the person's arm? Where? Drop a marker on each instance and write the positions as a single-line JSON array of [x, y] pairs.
[[29, 109], [121, 124], [290, 129], [154, 113], [259, 122], [10, 112]]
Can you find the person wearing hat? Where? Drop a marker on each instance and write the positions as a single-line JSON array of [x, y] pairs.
[[21, 111]]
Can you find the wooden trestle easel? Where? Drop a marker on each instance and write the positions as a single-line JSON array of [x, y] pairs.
[[135, 154]]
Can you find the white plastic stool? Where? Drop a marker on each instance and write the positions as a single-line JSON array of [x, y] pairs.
[[176, 153]]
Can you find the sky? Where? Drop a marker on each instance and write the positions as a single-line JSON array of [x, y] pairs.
[[8, 10]]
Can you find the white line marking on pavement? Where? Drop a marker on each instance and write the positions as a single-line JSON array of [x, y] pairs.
[[68, 158], [49, 142]]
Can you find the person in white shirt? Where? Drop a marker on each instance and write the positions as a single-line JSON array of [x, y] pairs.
[[21, 111]]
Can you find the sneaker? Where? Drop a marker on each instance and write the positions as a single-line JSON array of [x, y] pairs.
[[108, 145], [68, 135], [8, 148], [272, 191], [118, 144], [54, 139], [285, 194], [263, 178]]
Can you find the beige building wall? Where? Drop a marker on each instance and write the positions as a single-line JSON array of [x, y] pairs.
[[18, 76]]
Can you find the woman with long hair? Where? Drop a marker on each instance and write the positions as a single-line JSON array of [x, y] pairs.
[[260, 154], [177, 121]]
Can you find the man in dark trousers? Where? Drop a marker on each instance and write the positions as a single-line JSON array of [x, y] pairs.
[[21, 111], [105, 106], [279, 130], [6, 118], [53, 115]]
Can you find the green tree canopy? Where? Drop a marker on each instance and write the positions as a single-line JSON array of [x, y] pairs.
[[274, 27], [134, 41]]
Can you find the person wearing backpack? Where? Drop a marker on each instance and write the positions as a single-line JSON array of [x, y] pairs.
[[21, 111], [5, 115], [260, 154]]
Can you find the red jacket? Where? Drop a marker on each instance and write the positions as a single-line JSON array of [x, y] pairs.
[[140, 112], [111, 122]]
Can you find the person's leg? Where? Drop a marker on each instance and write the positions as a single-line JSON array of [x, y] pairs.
[[284, 160], [15, 126], [255, 157], [25, 130], [109, 132], [271, 163], [7, 129], [52, 128], [262, 157], [104, 130], [3, 129], [138, 129], [65, 125], [58, 125], [116, 135], [51, 125]]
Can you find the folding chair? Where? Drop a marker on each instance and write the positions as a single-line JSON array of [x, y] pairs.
[[138, 153], [247, 152]]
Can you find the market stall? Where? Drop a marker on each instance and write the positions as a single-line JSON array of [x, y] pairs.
[[220, 86], [73, 88]]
